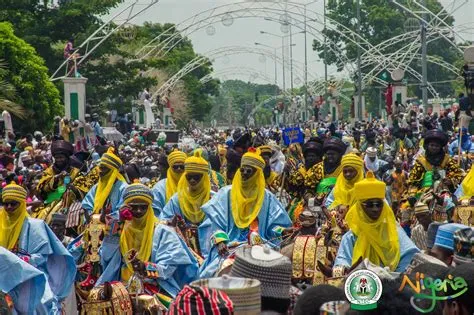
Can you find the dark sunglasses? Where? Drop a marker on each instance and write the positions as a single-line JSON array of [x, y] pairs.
[[138, 206], [178, 167], [11, 204], [373, 204], [246, 171], [196, 177]]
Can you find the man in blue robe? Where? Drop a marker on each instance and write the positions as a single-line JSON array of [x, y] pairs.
[[243, 213], [34, 242], [22, 282], [194, 190], [146, 247], [374, 232], [107, 193], [167, 187]]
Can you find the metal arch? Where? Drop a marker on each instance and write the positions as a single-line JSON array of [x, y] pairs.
[[103, 32], [161, 48], [207, 17], [200, 60], [209, 14], [236, 70]]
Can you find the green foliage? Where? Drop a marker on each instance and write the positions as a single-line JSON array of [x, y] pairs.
[[29, 76], [197, 93], [380, 21], [244, 96]]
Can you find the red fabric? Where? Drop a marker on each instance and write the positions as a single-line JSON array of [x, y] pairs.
[[388, 99]]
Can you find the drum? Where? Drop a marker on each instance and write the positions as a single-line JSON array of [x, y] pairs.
[[99, 303], [244, 293]]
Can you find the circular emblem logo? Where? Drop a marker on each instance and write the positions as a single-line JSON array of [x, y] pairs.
[[363, 289]]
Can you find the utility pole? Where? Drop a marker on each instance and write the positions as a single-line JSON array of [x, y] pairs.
[[276, 72], [359, 70], [305, 116], [325, 41], [424, 68], [291, 61], [283, 61]]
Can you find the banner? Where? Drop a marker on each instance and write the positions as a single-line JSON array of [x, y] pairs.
[[292, 135]]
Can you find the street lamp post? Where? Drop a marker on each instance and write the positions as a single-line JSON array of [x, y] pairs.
[[359, 70], [275, 59]]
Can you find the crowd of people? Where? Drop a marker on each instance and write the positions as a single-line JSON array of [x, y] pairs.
[[239, 221]]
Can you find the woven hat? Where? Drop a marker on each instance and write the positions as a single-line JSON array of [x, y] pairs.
[[14, 192], [253, 158], [335, 144], [371, 152], [352, 160], [111, 160], [271, 268], [265, 149], [369, 188], [421, 207], [432, 230], [201, 301], [464, 246], [244, 293], [445, 235], [137, 191], [176, 157], [62, 147], [196, 164]]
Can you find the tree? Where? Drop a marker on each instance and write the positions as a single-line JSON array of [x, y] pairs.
[[197, 93], [381, 21], [28, 75], [7, 97]]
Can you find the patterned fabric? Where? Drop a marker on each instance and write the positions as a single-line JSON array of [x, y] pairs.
[[201, 301], [274, 275], [419, 236], [137, 191], [316, 174], [14, 192], [453, 171]]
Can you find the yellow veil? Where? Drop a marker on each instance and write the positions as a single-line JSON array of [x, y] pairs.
[[105, 184], [172, 178], [344, 189], [247, 197], [137, 233], [468, 185], [191, 202], [11, 225]]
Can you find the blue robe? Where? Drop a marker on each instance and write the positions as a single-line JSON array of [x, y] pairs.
[[159, 197], [407, 250], [175, 263], [24, 283], [172, 208], [271, 218], [49, 256], [115, 198]]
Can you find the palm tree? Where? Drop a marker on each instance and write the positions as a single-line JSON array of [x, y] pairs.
[[7, 94]]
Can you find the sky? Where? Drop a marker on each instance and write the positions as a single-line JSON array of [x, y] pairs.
[[244, 32]]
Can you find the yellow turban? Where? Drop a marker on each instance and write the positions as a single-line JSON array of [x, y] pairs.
[[190, 202], [376, 240], [369, 188], [247, 198], [344, 189], [172, 178], [253, 158], [12, 223], [105, 184]]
